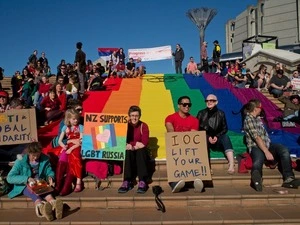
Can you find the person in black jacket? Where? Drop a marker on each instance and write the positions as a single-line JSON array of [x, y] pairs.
[[178, 56], [80, 60], [213, 121]]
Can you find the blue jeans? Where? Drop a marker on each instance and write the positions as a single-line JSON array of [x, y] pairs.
[[277, 93], [222, 142], [281, 155], [296, 114]]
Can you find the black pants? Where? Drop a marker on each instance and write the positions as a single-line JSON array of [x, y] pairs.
[[178, 67], [136, 164], [204, 65]]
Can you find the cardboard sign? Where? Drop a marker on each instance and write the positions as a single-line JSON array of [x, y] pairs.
[[17, 126], [295, 82], [104, 136], [187, 157]]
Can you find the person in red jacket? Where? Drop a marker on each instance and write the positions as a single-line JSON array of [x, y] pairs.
[[62, 96], [136, 159], [43, 89], [51, 105]]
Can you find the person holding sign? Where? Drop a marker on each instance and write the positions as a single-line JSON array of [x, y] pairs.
[[261, 149], [213, 121], [28, 172], [136, 159], [3, 101], [182, 121]]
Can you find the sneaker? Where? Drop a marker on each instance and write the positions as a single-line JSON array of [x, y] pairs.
[[291, 182], [126, 186], [256, 181], [198, 185], [176, 187], [58, 208], [142, 187], [46, 211]]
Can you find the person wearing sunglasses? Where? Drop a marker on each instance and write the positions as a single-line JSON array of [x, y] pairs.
[[182, 121], [213, 121], [261, 149]]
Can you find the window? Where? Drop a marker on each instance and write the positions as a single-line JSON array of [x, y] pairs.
[[262, 6]]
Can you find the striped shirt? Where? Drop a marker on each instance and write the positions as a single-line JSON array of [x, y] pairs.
[[253, 127]]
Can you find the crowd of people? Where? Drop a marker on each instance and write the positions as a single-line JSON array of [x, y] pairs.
[[62, 101]]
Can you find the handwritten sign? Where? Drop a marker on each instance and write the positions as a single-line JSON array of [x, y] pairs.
[[104, 136], [295, 83], [17, 127], [187, 157]]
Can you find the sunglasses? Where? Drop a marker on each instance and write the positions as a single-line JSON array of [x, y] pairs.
[[186, 104], [210, 100], [260, 107]]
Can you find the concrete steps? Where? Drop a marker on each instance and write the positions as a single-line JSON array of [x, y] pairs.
[[150, 216], [6, 83], [229, 200], [274, 100]]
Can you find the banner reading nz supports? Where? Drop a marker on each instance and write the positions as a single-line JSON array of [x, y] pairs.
[[104, 136], [151, 54]]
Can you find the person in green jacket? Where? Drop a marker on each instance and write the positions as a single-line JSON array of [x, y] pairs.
[[33, 167]]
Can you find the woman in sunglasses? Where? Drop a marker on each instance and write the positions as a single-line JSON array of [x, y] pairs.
[[213, 121]]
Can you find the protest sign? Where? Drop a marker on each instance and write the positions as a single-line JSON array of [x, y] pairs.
[[17, 126], [187, 157], [150, 54], [104, 136], [295, 82]]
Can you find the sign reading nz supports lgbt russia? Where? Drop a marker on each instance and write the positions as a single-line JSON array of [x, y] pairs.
[[104, 136]]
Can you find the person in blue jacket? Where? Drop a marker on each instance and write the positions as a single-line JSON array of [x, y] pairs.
[[33, 167]]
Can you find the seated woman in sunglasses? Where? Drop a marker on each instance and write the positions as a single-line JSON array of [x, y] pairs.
[[213, 121]]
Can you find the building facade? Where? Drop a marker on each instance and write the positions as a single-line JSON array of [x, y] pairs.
[[280, 18]]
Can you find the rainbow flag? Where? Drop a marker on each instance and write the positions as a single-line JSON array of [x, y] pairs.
[[104, 136]]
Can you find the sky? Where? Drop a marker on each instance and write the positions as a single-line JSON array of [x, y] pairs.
[[55, 26]]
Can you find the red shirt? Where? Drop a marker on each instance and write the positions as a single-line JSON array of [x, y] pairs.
[[52, 104], [183, 124], [44, 88], [139, 133], [63, 101], [120, 67]]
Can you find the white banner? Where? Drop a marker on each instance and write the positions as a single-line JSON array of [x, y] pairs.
[[150, 54], [296, 83]]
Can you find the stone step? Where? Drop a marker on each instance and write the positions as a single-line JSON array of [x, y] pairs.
[[219, 196], [150, 216], [220, 177]]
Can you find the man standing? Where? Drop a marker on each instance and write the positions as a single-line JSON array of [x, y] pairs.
[[182, 121], [43, 59], [261, 149], [213, 121], [178, 56], [80, 60], [216, 56], [204, 57]]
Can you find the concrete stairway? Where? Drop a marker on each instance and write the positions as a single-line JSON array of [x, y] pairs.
[[274, 100], [229, 201], [6, 83]]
